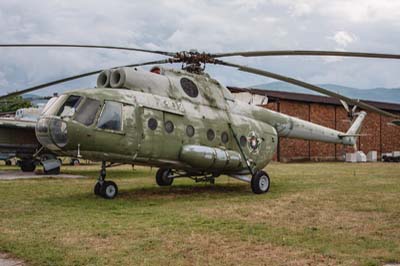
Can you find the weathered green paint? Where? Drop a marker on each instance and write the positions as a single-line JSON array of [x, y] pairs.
[[146, 95]]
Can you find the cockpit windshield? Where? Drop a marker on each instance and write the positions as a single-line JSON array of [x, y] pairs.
[[69, 107], [87, 112]]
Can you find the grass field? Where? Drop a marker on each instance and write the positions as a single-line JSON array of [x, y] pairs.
[[315, 213]]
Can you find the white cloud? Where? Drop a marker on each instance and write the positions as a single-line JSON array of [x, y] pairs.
[[365, 11], [300, 9], [343, 38]]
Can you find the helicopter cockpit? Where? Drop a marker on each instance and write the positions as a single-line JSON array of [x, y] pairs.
[[80, 112]]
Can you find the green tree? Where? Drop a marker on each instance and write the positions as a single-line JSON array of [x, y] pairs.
[[12, 104]]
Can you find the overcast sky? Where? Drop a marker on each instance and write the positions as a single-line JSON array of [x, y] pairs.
[[212, 26]]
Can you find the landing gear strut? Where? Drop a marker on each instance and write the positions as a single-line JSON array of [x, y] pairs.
[[106, 189]]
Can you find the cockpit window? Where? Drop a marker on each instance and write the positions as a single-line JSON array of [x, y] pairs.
[[87, 112], [69, 107], [49, 104], [110, 117], [52, 109]]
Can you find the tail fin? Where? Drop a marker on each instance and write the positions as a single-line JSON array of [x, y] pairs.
[[355, 128]]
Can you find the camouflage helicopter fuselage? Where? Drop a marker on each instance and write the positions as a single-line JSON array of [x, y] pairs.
[[173, 119]]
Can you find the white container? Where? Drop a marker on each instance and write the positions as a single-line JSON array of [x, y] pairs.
[[396, 153], [372, 156], [361, 157], [351, 157]]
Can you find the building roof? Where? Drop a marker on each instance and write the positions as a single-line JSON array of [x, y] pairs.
[[309, 98]]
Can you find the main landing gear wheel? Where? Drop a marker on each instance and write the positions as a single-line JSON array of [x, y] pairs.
[[260, 182], [75, 162], [108, 190], [28, 165], [163, 178]]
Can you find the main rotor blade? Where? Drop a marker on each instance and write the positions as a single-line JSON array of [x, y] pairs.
[[308, 53], [308, 86], [89, 46], [58, 81]]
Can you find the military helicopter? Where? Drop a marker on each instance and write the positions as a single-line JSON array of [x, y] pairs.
[[182, 121]]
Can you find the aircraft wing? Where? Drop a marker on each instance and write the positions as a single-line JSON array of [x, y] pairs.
[[18, 137], [21, 124]]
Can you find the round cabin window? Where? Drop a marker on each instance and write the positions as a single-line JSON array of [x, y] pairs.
[[189, 87], [224, 137], [210, 134], [169, 126], [152, 123], [190, 131], [243, 141]]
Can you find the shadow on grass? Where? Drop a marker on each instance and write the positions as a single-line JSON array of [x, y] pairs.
[[149, 195], [153, 195], [186, 191]]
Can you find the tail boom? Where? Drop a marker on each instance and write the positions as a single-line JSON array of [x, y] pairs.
[[292, 127]]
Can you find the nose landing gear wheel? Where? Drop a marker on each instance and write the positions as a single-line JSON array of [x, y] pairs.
[[97, 189], [163, 178], [108, 190], [260, 182]]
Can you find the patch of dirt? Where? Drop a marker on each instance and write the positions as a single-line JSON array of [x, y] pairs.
[[299, 211], [7, 260], [199, 249]]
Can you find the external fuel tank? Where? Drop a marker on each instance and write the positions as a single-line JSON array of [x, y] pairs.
[[204, 157]]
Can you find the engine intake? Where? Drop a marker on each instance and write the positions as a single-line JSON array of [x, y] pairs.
[[103, 80], [118, 78]]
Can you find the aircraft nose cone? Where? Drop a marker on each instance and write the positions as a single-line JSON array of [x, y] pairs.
[[52, 132]]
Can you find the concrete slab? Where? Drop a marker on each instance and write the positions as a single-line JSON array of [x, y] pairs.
[[5, 260], [13, 175]]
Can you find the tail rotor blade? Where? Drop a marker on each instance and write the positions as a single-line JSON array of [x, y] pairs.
[[345, 105]]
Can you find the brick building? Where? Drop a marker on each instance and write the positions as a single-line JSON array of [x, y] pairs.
[[378, 134]]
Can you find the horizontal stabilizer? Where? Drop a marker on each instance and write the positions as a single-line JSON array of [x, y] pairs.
[[396, 122], [351, 135]]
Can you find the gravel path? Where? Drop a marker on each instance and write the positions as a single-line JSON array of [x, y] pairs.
[[13, 175], [6, 260]]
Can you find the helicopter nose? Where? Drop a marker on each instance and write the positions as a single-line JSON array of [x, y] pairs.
[[52, 132]]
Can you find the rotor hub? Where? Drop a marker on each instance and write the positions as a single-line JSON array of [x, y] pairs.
[[193, 61]]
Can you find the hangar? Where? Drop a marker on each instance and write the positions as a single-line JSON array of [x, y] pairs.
[[378, 134]]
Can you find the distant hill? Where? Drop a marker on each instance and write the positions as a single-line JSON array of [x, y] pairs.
[[376, 94], [35, 99]]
